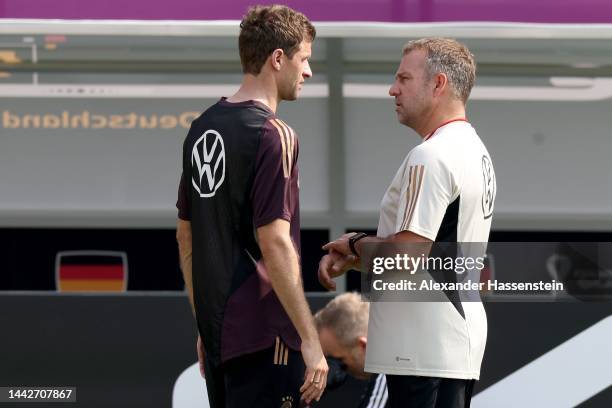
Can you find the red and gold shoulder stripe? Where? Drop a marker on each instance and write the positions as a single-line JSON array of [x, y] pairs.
[[415, 177], [287, 138]]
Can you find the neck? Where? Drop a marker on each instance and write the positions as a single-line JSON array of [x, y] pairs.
[[439, 116], [259, 88]]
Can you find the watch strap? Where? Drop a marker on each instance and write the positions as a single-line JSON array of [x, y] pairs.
[[353, 240]]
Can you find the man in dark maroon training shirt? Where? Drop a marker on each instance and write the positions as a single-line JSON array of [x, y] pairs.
[[238, 227]]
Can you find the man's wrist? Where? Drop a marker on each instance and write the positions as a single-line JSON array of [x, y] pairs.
[[311, 338], [353, 241]]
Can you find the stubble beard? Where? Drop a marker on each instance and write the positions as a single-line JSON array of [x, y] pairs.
[[419, 111], [290, 94], [407, 119]]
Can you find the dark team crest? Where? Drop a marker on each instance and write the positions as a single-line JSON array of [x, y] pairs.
[[488, 187], [208, 163]]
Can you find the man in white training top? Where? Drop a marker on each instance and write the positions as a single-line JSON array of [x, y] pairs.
[[444, 191]]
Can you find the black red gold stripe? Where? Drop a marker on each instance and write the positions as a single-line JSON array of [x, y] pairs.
[[415, 177], [287, 139]]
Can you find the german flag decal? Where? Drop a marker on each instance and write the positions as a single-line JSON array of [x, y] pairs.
[[91, 271]]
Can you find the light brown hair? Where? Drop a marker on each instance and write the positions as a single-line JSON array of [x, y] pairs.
[[267, 28], [346, 316], [448, 56]]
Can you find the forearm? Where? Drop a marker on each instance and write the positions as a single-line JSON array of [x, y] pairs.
[[281, 262], [183, 237], [405, 241], [185, 259]]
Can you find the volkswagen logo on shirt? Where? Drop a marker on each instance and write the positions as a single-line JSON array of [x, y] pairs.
[[488, 187], [208, 163]]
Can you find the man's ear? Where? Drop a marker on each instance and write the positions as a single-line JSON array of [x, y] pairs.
[[276, 59], [440, 81], [362, 341]]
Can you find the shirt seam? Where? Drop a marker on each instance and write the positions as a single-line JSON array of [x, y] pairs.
[[411, 371]]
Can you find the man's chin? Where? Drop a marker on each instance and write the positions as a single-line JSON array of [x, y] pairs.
[[291, 97], [403, 120]]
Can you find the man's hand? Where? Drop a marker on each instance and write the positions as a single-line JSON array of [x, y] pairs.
[[281, 262], [315, 378], [333, 265], [200, 349], [340, 245]]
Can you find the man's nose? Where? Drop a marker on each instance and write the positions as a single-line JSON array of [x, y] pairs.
[[393, 90], [307, 71]]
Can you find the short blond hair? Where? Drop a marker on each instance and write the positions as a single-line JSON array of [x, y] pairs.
[[448, 56], [346, 316]]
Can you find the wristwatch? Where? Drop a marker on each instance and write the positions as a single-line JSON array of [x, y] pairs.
[[353, 240]]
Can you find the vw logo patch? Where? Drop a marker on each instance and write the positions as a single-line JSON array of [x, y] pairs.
[[208, 163]]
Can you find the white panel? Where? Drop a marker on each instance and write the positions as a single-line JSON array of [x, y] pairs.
[[308, 117], [566, 376], [376, 145], [551, 157], [114, 172], [72, 168]]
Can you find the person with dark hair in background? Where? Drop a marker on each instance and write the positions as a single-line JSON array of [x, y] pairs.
[[343, 331], [444, 191], [239, 228]]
